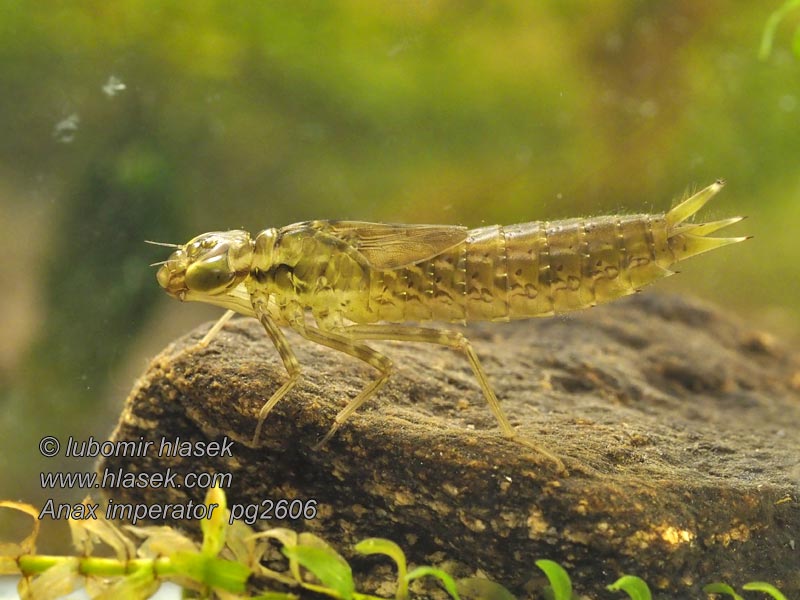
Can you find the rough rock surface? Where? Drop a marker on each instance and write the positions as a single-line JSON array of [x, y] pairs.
[[679, 425]]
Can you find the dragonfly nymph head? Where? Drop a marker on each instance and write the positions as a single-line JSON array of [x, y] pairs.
[[211, 264]]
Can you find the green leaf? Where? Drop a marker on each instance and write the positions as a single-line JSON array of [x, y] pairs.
[[558, 578], [327, 566], [274, 596], [446, 580], [483, 589], [635, 587], [139, 584], [211, 571], [215, 527], [761, 586], [57, 581], [285, 536], [393, 551], [721, 588], [288, 538]]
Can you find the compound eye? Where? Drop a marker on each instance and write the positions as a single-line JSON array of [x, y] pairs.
[[209, 275], [208, 244]]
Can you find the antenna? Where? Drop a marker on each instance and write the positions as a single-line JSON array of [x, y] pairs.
[[165, 244]]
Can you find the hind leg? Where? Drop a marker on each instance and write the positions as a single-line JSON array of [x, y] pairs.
[[458, 341]]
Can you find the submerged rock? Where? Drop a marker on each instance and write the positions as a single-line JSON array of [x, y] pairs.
[[678, 425]]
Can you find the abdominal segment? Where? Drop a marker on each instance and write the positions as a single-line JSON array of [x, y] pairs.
[[526, 270]]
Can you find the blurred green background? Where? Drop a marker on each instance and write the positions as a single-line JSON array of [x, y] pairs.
[[131, 120]]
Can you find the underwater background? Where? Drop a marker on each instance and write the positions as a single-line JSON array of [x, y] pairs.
[[161, 120]]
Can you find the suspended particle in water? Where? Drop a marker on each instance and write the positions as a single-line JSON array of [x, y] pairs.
[[65, 129], [113, 86], [787, 103]]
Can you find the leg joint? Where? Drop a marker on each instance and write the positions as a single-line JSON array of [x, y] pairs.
[[387, 365], [460, 340]]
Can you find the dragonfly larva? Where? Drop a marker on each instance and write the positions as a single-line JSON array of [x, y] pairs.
[[364, 281]]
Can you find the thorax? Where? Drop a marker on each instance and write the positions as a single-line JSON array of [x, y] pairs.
[[298, 265]]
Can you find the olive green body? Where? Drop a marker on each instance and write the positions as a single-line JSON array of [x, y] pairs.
[[495, 274], [366, 281], [353, 272]]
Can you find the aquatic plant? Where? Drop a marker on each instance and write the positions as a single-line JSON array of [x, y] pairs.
[[227, 563], [774, 19]]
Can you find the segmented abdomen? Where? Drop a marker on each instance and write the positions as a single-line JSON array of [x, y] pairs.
[[526, 270]]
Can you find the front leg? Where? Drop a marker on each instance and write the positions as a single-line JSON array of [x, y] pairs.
[[215, 329], [275, 333]]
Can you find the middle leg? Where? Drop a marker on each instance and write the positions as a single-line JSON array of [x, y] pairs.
[[342, 341]]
